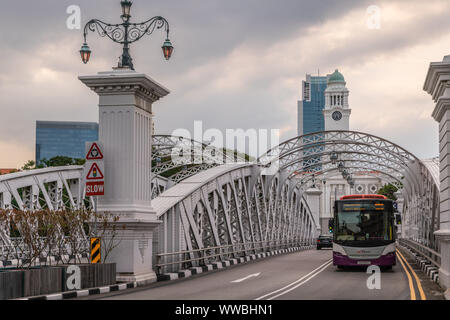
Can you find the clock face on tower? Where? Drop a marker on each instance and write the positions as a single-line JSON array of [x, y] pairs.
[[336, 116]]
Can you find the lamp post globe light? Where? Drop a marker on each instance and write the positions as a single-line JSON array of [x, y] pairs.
[[333, 158], [126, 33]]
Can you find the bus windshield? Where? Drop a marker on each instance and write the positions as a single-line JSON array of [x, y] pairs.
[[363, 220]]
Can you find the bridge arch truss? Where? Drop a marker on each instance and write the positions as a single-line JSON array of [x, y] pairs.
[[307, 157], [210, 205]]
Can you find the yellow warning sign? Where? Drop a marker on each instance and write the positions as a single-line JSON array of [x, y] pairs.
[[95, 250]]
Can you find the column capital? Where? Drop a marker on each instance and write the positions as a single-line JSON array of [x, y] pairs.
[[313, 191], [443, 234], [437, 84], [111, 84]]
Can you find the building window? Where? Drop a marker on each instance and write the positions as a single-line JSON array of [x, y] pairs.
[[306, 91]]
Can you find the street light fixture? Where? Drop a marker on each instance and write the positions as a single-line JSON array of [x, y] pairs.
[[126, 33], [334, 158], [85, 53], [345, 174], [126, 9], [167, 49]]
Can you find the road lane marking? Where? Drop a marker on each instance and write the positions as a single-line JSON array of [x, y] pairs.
[[419, 285], [300, 282], [247, 277], [411, 286]]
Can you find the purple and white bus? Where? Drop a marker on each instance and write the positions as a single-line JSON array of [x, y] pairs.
[[363, 231]]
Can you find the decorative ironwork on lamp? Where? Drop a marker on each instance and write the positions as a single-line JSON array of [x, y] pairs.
[[126, 33]]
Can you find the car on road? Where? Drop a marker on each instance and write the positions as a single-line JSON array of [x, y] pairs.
[[324, 241]]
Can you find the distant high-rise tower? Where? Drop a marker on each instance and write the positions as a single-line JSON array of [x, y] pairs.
[[310, 116], [336, 112]]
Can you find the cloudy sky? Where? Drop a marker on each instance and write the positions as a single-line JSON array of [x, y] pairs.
[[237, 64]]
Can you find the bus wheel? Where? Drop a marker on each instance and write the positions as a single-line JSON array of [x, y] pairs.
[[386, 268], [340, 267]]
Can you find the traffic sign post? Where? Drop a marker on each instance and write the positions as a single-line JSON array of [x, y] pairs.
[[94, 170]]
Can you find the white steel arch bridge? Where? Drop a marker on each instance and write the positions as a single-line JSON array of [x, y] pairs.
[[225, 206]]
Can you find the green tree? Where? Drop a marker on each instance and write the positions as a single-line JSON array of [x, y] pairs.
[[29, 165], [389, 191], [58, 161], [79, 162]]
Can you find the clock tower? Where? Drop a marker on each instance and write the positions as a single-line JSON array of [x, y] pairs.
[[336, 112]]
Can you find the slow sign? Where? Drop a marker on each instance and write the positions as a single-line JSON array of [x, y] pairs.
[[94, 170]]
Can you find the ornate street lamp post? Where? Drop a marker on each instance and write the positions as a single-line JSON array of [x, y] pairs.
[[158, 161], [126, 33], [334, 158]]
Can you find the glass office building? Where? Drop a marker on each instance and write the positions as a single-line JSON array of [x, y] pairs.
[[57, 138], [310, 113], [310, 116]]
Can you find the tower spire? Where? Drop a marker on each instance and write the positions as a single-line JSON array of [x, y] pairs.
[[337, 111]]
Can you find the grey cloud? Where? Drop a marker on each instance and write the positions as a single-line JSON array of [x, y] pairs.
[[202, 31]]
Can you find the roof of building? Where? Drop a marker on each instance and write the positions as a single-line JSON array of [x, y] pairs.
[[6, 171], [66, 125], [336, 77]]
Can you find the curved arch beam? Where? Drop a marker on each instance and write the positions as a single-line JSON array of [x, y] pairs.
[[352, 154], [164, 145], [344, 137], [310, 177], [392, 172], [329, 163]]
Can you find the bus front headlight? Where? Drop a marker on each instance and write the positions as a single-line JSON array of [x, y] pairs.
[[390, 249]]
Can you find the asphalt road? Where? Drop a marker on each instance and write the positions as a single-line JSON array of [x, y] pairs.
[[306, 275]]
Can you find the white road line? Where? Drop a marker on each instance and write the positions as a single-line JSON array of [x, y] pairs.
[[302, 280], [247, 277], [300, 284]]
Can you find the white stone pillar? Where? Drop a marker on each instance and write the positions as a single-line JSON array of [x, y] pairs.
[[323, 207], [313, 198], [400, 202], [125, 130], [437, 84]]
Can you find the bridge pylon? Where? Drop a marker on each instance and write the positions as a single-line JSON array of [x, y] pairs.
[[125, 130], [313, 198], [437, 85]]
